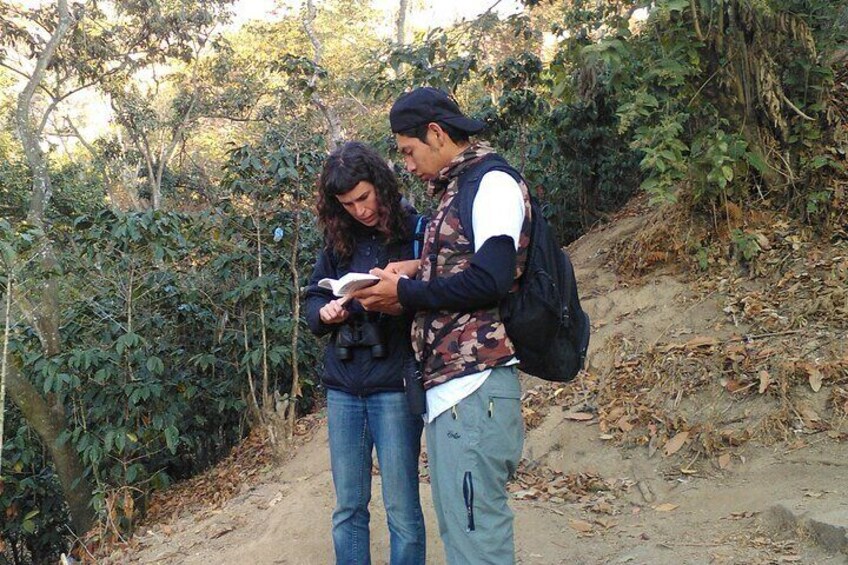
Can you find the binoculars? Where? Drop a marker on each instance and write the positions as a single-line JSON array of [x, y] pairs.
[[360, 332]]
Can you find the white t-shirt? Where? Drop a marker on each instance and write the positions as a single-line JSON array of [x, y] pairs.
[[498, 209]]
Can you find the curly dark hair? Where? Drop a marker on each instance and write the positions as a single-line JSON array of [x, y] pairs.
[[346, 167]]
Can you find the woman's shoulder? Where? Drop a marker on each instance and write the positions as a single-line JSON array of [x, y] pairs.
[[411, 216], [407, 208]]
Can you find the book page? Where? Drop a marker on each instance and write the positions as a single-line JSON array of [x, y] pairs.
[[348, 283]]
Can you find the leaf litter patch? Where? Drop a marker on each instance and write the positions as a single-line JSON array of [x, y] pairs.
[[774, 370]]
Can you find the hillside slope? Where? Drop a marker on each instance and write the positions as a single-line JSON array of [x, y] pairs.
[[713, 411]]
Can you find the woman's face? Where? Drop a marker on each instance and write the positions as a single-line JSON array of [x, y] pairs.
[[361, 203]]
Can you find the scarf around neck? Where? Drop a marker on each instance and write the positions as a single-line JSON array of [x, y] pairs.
[[469, 157]]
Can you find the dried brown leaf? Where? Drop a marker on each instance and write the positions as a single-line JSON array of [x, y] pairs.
[[673, 445], [666, 507], [765, 380], [701, 341], [762, 240], [604, 508], [732, 385], [615, 413], [526, 494], [607, 523], [815, 379], [581, 526]]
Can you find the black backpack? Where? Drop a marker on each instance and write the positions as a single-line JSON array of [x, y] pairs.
[[543, 317]]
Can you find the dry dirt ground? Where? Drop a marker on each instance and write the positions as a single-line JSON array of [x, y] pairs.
[[587, 496]]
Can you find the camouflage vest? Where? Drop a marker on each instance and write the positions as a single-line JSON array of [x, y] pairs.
[[448, 343]]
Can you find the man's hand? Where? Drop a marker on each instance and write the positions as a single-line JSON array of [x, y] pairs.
[[403, 268], [334, 312], [383, 296]]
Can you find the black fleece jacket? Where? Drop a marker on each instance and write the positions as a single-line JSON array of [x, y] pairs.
[[363, 374]]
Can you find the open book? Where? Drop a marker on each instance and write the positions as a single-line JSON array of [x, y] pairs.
[[348, 283]]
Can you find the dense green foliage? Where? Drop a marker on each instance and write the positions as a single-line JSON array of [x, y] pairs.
[[160, 321], [727, 100]]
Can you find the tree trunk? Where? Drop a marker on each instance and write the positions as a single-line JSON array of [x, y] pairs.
[[41, 189], [166, 152], [267, 405], [48, 425], [4, 359], [119, 182], [155, 193], [400, 22], [295, 273], [334, 123]]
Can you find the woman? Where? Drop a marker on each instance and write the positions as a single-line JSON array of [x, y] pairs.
[[366, 225]]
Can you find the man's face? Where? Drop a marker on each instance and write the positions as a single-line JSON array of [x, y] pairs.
[[421, 159], [361, 203]]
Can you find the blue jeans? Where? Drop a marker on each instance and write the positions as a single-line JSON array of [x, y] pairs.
[[356, 425]]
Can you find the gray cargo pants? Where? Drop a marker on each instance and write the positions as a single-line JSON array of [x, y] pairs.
[[473, 449]]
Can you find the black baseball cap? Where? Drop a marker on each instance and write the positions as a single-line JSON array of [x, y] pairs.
[[427, 104]]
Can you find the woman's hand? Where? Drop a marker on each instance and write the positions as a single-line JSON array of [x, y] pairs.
[[334, 311], [403, 268]]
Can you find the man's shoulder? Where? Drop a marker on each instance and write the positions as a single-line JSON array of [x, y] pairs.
[[491, 163], [500, 178], [493, 173]]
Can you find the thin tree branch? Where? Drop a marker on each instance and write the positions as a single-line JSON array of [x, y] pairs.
[[79, 137], [695, 20], [166, 153], [795, 108], [333, 122], [400, 22], [3, 359], [29, 137]]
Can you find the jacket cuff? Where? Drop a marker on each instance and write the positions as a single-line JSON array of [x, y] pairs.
[[411, 294]]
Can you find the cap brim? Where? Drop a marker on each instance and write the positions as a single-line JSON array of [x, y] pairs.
[[465, 124]]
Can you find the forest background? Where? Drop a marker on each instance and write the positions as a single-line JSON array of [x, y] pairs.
[[153, 251]]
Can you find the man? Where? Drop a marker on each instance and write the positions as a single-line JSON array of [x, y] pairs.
[[474, 426]]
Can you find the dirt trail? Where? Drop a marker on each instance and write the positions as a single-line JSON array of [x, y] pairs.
[[655, 515], [717, 520]]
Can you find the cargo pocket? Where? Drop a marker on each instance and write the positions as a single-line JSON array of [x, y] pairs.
[[506, 427], [468, 495]]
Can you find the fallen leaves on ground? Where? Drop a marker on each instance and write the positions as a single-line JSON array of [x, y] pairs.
[[244, 466], [591, 491], [785, 322]]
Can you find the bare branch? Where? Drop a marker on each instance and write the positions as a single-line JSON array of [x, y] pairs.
[[79, 137], [795, 108], [29, 138], [166, 152], [334, 124], [4, 358], [400, 22]]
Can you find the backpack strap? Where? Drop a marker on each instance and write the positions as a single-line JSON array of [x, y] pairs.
[[418, 235], [469, 184]]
